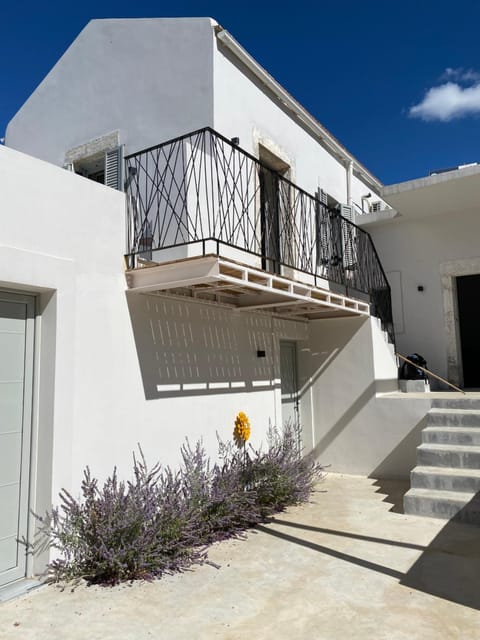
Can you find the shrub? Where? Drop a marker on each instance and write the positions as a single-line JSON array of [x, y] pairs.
[[230, 509], [122, 531], [280, 476], [162, 520]]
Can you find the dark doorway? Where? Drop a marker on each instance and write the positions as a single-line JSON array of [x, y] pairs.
[[269, 202], [274, 201], [468, 299]]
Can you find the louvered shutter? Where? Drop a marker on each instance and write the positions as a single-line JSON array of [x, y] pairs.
[[113, 168], [322, 196], [349, 236], [322, 230]]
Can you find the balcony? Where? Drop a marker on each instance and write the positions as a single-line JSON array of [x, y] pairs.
[[207, 220]]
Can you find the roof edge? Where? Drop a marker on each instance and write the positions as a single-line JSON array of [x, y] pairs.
[[428, 181], [294, 106]]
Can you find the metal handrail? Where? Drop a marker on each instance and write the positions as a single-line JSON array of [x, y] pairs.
[[201, 186], [430, 373]]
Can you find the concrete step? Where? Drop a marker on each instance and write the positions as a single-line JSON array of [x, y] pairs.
[[453, 417], [448, 455], [452, 435], [456, 403], [464, 507], [445, 479]]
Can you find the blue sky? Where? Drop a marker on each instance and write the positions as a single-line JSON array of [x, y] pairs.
[[398, 83]]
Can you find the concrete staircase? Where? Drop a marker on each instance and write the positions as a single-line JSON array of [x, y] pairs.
[[446, 481]]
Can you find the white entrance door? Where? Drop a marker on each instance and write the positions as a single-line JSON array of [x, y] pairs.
[[288, 375], [16, 371]]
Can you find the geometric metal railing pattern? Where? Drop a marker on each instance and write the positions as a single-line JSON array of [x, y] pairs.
[[202, 187]]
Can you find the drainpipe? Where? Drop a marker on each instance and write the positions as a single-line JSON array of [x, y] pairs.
[[349, 168]]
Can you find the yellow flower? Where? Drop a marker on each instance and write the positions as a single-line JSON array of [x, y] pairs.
[[241, 433]]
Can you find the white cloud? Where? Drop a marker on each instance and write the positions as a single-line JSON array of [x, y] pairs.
[[460, 75], [450, 100]]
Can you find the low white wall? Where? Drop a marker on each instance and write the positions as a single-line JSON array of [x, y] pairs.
[[354, 428]]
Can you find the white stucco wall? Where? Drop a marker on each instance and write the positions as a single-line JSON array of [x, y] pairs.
[[345, 368], [112, 369], [148, 79], [246, 109], [415, 251]]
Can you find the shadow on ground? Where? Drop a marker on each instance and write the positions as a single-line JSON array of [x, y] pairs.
[[450, 566], [340, 555], [447, 568], [393, 490]]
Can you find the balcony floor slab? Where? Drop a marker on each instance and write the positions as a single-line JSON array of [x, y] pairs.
[[244, 287]]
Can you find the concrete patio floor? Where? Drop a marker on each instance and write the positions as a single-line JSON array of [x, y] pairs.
[[349, 564]]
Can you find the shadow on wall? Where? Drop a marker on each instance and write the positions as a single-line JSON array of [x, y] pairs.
[[327, 370], [187, 348], [403, 455], [353, 428], [357, 404]]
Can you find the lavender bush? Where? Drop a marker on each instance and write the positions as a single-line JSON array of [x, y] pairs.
[[123, 531], [161, 521], [280, 476]]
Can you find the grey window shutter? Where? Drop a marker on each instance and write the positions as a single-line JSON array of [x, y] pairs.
[[114, 168], [322, 231], [346, 211], [349, 236]]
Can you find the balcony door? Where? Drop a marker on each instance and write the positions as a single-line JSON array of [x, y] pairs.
[[269, 203], [272, 208]]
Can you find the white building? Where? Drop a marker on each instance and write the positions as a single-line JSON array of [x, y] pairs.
[[429, 249], [242, 287]]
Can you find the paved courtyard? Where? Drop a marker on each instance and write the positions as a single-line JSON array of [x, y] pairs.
[[347, 565]]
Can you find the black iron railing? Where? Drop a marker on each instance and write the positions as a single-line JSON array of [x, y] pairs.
[[201, 187]]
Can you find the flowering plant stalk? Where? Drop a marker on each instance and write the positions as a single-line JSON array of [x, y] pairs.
[[241, 433]]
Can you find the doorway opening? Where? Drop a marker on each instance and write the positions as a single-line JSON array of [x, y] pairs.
[[274, 210], [468, 294]]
